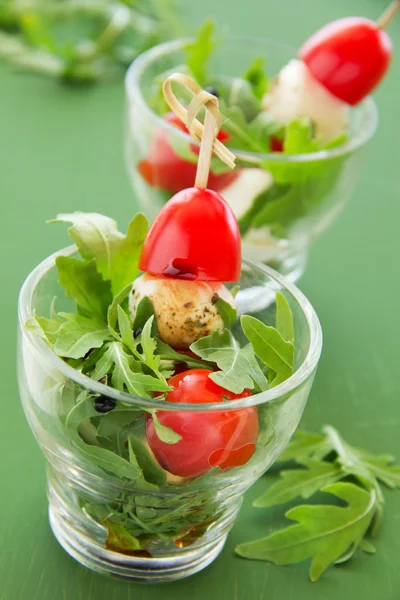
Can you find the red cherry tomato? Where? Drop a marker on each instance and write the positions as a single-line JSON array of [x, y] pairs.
[[209, 439], [167, 170], [275, 144], [194, 236], [349, 57]]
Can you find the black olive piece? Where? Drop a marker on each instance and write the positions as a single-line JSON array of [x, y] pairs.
[[137, 332], [212, 90], [180, 366], [104, 404]]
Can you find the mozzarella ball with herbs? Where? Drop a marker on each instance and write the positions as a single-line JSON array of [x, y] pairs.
[[185, 310], [296, 93]]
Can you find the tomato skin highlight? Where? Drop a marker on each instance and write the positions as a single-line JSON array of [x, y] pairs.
[[349, 57], [222, 439], [165, 169], [195, 236]]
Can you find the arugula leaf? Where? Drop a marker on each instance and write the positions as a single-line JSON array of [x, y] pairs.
[[126, 258], [305, 445], [164, 433], [299, 137], [78, 335], [255, 75], [237, 93], [144, 311], [235, 123], [381, 468], [366, 546], [152, 472], [148, 344], [269, 346], [126, 373], [226, 311], [85, 286], [125, 329], [116, 255], [323, 533], [107, 460], [112, 313], [119, 539], [300, 482], [362, 463], [200, 50], [239, 366], [284, 318], [43, 328], [327, 458], [169, 355]]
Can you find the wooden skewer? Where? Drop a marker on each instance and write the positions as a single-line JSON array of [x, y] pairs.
[[388, 15], [205, 134]]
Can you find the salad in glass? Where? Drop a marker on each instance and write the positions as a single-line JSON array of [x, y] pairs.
[[298, 135], [159, 397]]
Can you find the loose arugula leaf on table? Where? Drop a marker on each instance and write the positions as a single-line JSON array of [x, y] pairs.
[[83, 283], [323, 533], [98, 238], [325, 459], [238, 366], [305, 445], [300, 482], [78, 335]]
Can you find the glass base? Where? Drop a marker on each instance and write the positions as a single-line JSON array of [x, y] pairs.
[[139, 569]]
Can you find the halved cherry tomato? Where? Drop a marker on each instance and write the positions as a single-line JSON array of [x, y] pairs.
[[209, 439], [349, 57], [165, 169], [194, 236]]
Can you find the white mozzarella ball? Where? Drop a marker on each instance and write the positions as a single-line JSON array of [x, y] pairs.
[[260, 244], [296, 93], [249, 184], [185, 310]]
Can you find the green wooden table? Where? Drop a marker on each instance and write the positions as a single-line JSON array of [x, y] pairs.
[[61, 150]]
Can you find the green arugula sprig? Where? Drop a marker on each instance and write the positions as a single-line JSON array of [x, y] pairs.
[[85, 41], [324, 533], [239, 368]]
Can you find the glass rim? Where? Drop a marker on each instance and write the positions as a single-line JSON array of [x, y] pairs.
[[306, 368], [134, 94]]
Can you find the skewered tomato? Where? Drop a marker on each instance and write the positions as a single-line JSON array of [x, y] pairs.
[[194, 236], [348, 57], [165, 169]]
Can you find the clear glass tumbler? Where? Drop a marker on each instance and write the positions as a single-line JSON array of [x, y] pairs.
[[123, 514], [282, 202]]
